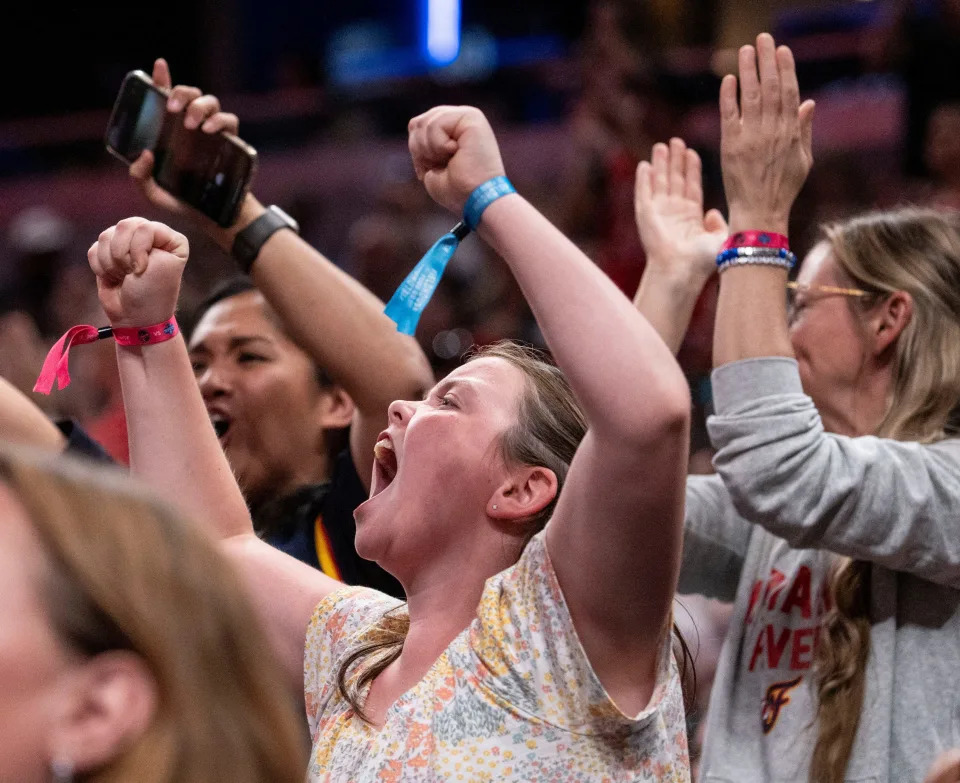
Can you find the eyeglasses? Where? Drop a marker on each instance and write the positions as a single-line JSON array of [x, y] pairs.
[[815, 293]]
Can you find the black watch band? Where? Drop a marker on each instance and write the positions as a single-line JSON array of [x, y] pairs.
[[247, 243]]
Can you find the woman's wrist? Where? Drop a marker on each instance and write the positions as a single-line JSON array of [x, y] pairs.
[[678, 281], [149, 317], [667, 299], [493, 216], [759, 220], [250, 210], [156, 366]]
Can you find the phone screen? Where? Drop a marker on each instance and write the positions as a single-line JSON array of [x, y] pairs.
[[211, 172]]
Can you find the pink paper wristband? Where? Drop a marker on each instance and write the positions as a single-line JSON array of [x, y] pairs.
[[757, 239], [56, 368]]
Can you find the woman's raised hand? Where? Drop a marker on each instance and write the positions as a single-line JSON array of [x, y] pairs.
[[766, 138], [454, 151], [138, 264], [203, 112], [680, 241]]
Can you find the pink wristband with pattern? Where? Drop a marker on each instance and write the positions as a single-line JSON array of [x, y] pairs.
[[757, 239], [146, 335], [55, 366]]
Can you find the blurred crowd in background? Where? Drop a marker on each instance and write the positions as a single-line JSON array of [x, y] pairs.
[[579, 91]]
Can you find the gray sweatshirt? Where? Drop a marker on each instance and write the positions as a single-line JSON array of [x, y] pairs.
[[784, 487]]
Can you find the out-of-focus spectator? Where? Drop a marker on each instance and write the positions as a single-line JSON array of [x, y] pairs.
[[21, 349], [626, 105], [942, 155], [37, 237], [43, 291], [130, 650], [619, 114], [921, 39]]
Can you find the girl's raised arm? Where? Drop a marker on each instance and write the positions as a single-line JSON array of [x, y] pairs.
[[173, 446], [615, 537]]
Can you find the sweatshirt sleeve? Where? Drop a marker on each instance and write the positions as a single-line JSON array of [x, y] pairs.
[[715, 540], [889, 502]]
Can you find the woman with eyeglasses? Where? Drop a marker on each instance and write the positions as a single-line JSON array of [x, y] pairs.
[[834, 523]]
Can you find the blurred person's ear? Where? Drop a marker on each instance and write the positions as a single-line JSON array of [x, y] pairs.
[[110, 701], [335, 408]]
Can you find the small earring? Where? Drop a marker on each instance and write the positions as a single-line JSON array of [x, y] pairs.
[[62, 770]]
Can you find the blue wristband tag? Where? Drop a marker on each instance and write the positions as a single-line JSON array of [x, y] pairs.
[[415, 292], [483, 197], [411, 298]]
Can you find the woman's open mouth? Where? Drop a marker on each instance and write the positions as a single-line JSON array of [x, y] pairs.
[[384, 466], [221, 425]]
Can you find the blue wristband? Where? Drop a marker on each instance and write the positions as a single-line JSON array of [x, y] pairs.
[[483, 197]]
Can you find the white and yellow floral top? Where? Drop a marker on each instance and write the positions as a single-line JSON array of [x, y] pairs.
[[513, 698]]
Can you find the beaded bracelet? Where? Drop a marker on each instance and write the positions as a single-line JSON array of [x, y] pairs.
[[755, 252], [737, 256]]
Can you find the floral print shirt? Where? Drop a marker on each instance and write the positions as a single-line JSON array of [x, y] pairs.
[[513, 698]]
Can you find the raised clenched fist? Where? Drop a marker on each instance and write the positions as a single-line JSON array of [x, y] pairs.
[[138, 264], [454, 151]]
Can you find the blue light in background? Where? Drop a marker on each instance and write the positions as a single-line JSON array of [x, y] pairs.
[[367, 53], [442, 37]]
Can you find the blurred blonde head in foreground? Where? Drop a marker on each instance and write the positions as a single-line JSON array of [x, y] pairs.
[[127, 649]]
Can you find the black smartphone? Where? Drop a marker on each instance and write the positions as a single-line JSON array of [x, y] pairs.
[[209, 171]]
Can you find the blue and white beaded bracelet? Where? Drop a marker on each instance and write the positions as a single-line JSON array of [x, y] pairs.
[[767, 256]]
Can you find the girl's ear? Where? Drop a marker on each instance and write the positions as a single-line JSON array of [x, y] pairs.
[[527, 491]]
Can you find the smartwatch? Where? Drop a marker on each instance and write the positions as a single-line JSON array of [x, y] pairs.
[[247, 243]]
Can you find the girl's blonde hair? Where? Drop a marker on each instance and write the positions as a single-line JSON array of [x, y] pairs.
[[917, 251], [126, 573]]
